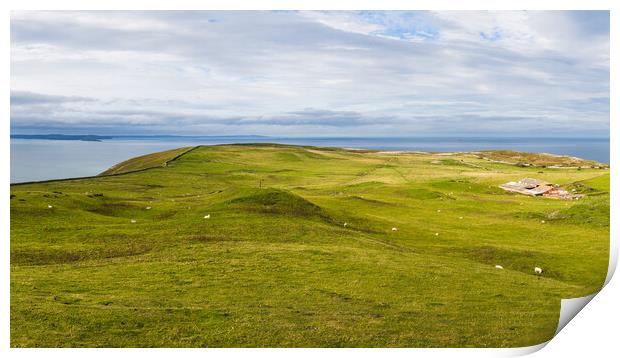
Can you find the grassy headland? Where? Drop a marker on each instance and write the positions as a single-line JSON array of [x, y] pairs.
[[130, 260]]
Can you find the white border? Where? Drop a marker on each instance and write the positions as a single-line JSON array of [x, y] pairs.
[[594, 330], [313, 5]]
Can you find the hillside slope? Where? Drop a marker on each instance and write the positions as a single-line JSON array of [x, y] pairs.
[[147, 161], [246, 245]]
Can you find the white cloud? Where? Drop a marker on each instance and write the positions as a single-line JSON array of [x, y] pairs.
[[344, 21], [245, 71]]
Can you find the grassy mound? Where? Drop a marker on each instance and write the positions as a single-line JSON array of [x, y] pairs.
[[594, 212], [424, 194], [279, 202], [594, 186]]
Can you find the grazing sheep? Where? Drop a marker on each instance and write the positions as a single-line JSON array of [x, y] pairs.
[[438, 210], [542, 221], [436, 234], [208, 216], [148, 208], [49, 206], [394, 229], [345, 224], [538, 270], [460, 217], [499, 267], [133, 221]]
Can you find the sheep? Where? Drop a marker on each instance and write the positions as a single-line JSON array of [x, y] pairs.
[[436, 234], [208, 216], [438, 210], [49, 206], [460, 217], [542, 221], [148, 208], [538, 270], [394, 229], [345, 224], [499, 267], [133, 221]]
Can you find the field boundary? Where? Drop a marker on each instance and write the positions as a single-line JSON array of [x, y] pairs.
[[164, 164]]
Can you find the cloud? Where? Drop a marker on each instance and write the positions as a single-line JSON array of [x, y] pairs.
[[21, 98], [311, 73]]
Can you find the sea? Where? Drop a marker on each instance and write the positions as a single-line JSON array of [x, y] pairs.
[[43, 159]]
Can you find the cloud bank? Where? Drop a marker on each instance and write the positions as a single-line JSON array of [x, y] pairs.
[[311, 73]]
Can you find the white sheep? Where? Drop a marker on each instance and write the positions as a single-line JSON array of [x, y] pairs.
[[499, 267], [394, 229], [345, 224], [538, 270], [49, 206], [438, 210], [542, 221], [460, 217], [148, 208], [133, 221], [208, 216], [436, 234]]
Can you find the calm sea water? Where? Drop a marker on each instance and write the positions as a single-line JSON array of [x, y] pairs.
[[49, 159]]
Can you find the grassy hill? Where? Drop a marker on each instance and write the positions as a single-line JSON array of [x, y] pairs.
[[538, 159], [131, 261], [148, 161]]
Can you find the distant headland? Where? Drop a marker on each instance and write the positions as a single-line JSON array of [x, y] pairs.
[[82, 137], [99, 138]]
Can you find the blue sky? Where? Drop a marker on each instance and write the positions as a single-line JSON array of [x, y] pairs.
[[365, 73]]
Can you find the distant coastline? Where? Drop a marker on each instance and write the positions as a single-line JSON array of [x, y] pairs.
[[85, 138], [99, 138]]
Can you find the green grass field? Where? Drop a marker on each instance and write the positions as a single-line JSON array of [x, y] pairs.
[[275, 266]]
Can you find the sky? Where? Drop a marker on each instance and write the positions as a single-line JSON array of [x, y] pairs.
[[311, 73]]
